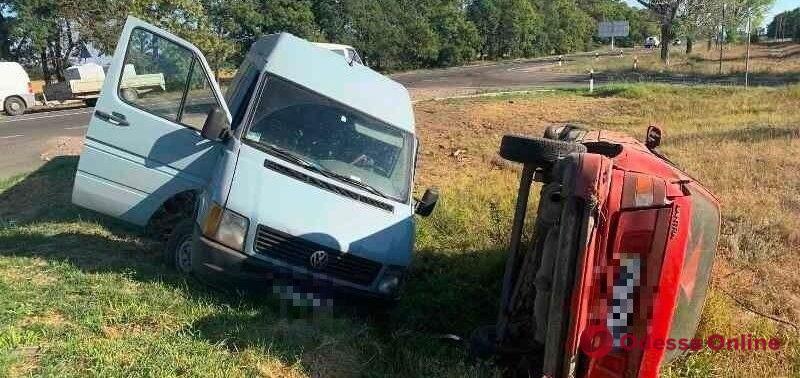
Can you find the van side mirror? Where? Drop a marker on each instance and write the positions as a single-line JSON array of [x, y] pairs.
[[216, 126], [427, 203]]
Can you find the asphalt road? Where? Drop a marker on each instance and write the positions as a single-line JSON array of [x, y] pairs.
[[518, 74], [24, 138]]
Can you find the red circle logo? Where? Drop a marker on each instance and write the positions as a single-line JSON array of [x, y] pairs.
[[596, 341]]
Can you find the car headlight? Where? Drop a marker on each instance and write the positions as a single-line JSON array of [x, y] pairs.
[[225, 226], [389, 283]]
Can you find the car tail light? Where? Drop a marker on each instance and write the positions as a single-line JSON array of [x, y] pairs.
[[628, 300]]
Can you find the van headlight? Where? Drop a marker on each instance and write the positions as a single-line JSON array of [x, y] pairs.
[[225, 226], [391, 280]]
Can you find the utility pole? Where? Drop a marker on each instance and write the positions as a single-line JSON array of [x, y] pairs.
[[721, 37], [747, 58]]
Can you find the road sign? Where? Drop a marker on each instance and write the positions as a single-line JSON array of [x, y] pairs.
[[613, 29]]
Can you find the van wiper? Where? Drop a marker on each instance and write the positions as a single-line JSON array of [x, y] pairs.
[[353, 181], [305, 163], [291, 156]]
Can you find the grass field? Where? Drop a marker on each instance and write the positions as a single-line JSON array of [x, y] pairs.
[[769, 63], [81, 294]]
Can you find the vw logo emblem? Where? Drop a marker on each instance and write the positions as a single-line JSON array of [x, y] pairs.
[[318, 259]]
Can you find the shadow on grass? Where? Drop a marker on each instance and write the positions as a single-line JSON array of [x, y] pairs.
[[446, 292]]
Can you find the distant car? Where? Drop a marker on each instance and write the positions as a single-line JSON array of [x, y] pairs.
[[677, 42], [16, 92], [348, 52], [651, 42]]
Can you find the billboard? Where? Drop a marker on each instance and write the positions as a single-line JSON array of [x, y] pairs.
[[613, 29]]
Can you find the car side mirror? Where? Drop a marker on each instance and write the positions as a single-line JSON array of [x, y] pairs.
[[653, 138], [216, 126], [427, 203]]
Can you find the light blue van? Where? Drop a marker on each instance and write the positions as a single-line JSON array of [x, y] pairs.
[[305, 167]]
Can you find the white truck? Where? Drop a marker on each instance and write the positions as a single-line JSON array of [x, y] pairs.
[[85, 82]]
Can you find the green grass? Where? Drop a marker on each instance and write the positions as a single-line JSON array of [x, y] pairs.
[[82, 294], [85, 295]]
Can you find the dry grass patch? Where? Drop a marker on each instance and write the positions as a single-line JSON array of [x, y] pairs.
[[771, 62]]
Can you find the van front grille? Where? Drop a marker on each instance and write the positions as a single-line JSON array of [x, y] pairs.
[[297, 251]]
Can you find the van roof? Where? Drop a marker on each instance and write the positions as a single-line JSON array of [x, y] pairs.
[[15, 70], [332, 46], [357, 86]]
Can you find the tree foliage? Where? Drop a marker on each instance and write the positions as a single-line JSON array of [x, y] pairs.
[[390, 34], [785, 25]]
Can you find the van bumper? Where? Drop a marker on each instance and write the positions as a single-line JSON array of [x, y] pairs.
[[29, 99], [219, 265]]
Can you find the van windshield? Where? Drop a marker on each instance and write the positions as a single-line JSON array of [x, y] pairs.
[[291, 121]]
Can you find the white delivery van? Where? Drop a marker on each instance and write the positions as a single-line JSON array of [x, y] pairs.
[[16, 93]]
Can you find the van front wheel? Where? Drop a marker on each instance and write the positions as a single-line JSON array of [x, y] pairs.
[[178, 253], [14, 106]]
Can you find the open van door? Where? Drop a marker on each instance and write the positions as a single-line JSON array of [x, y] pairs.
[[143, 145]]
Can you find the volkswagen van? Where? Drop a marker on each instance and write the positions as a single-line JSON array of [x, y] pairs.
[[305, 167]]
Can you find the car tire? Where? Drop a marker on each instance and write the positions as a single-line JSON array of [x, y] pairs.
[[14, 106], [178, 252], [567, 133], [537, 151]]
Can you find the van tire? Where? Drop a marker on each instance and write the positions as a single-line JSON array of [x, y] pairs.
[[14, 106], [178, 252], [537, 151], [90, 102]]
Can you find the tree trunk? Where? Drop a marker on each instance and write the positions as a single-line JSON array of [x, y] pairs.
[[45, 68], [710, 42], [666, 41], [58, 63], [5, 43], [689, 45]]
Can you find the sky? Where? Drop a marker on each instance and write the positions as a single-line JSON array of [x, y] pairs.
[[778, 7]]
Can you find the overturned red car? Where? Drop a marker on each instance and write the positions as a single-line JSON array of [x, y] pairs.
[[619, 261]]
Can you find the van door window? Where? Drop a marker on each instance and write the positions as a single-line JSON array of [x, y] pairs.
[[199, 100], [165, 79]]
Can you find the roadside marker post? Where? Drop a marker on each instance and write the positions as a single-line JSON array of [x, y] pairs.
[[635, 62], [591, 80]]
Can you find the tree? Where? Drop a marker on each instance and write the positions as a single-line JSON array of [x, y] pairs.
[[785, 25], [485, 15], [520, 29], [699, 19], [666, 11], [568, 28], [458, 38]]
